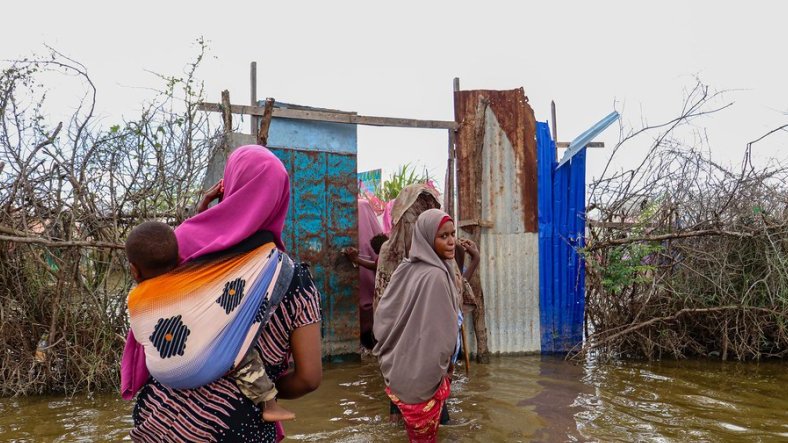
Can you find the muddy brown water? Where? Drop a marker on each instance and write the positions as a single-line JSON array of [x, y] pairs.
[[528, 398]]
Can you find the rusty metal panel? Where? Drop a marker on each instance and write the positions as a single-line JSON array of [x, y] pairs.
[[516, 118], [322, 220], [341, 231], [497, 198]]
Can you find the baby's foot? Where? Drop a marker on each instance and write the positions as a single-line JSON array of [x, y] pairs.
[[274, 412]]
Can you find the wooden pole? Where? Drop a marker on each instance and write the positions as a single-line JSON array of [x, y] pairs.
[[254, 121], [227, 117], [265, 124], [465, 350], [453, 171], [555, 123], [448, 198]]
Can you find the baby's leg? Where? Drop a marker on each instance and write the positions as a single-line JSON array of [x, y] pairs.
[[258, 387], [273, 412]]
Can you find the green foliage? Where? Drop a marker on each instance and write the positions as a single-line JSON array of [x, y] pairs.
[[404, 176], [626, 266]]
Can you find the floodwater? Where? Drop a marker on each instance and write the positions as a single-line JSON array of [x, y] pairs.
[[512, 399]]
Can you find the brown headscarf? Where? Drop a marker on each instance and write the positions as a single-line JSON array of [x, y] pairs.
[[410, 203], [416, 320]]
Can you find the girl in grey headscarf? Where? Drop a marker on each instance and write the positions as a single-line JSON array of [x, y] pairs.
[[416, 326]]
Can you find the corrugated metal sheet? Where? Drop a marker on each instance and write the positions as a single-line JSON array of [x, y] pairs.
[[582, 140], [510, 270], [516, 119], [561, 235], [496, 150], [510, 276]]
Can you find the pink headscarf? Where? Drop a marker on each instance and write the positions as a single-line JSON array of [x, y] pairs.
[[368, 227], [256, 198], [387, 221]]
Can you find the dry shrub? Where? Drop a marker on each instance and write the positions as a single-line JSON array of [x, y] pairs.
[[69, 194], [687, 257]]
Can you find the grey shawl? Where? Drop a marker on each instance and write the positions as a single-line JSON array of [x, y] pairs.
[[416, 319], [410, 203]]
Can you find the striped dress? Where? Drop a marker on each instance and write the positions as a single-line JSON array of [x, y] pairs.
[[219, 412]]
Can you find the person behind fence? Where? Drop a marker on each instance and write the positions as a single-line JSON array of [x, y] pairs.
[[409, 204], [366, 286], [367, 262], [236, 294], [420, 301]]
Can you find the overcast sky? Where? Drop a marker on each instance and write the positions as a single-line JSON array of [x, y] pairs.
[[398, 59]]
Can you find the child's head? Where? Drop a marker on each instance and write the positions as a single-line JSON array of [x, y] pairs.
[[152, 250], [377, 242]]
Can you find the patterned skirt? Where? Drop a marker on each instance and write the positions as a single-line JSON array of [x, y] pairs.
[[422, 419]]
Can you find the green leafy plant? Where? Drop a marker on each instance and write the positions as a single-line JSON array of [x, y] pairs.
[[627, 265], [404, 176]]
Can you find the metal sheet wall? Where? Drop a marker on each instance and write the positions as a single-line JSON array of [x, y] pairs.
[[510, 268], [561, 235], [496, 178]]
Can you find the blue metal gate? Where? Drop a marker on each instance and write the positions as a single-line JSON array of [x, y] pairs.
[[561, 236]]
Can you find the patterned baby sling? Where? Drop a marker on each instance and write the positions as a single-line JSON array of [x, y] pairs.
[[196, 324]]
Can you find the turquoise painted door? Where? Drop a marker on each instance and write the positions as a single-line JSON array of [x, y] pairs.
[[321, 222]]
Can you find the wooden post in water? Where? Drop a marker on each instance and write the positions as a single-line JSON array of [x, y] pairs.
[[450, 208], [448, 200]]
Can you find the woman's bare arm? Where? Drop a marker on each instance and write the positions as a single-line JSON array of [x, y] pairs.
[[305, 343], [352, 255], [471, 249]]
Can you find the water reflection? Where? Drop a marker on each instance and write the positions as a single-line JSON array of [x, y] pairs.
[[528, 398]]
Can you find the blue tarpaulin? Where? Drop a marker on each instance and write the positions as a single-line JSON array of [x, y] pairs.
[[561, 235]]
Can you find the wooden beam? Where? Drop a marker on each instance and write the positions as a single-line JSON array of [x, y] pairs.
[[473, 223], [589, 145], [334, 117]]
